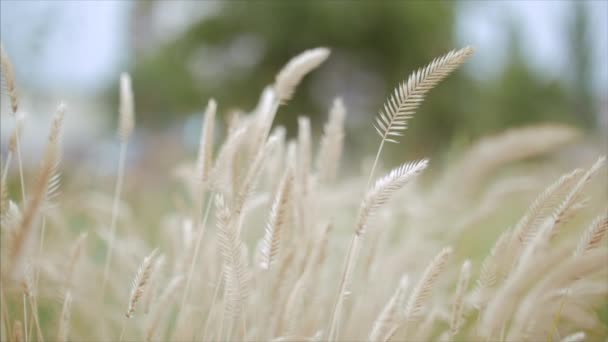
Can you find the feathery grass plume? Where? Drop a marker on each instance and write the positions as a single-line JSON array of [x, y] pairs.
[[140, 282], [408, 96], [384, 188], [491, 152], [569, 271], [505, 300], [205, 151], [593, 235], [420, 294], [543, 206], [8, 74], [570, 203], [35, 204], [490, 270], [304, 154], [127, 108], [54, 143], [456, 318], [377, 196], [64, 320], [390, 316], [126, 125], [251, 177], [330, 151], [292, 73], [236, 271], [271, 244]]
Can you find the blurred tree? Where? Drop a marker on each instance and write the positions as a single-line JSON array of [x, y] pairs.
[[232, 55]]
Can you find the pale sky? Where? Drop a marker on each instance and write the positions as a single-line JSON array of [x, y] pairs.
[[81, 45]]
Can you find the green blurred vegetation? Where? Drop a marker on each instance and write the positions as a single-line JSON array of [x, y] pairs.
[[390, 38]]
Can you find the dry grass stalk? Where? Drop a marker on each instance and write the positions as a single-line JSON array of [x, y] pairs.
[[140, 282], [408, 96], [64, 320], [271, 244], [456, 318], [330, 148], [125, 129], [593, 235], [8, 74], [290, 76]]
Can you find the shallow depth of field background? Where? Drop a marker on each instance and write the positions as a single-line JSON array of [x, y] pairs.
[[535, 61]]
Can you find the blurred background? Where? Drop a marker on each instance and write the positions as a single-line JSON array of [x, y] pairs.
[[535, 61]]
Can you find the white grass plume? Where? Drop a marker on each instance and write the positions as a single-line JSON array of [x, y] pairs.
[[456, 318], [593, 235], [140, 282], [127, 108], [271, 243], [292, 73], [420, 294], [390, 316], [205, 151], [331, 143], [384, 187], [8, 74], [408, 96]]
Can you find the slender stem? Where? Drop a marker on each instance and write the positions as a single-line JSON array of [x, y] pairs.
[[9, 156], [24, 317], [213, 301], [371, 174], [115, 208], [18, 140], [122, 330], [199, 238], [352, 255], [35, 318]]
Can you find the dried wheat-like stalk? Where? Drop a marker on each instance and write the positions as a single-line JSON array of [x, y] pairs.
[[456, 318], [490, 269], [8, 74], [140, 282], [382, 190], [543, 206], [271, 243], [570, 203], [35, 204], [593, 235], [390, 316], [205, 151], [236, 270], [420, 294], [292, 73], [377, 196], [408, 96], [331, 143], [489, 153], [64, 320], [126, 109], [125, 129]]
